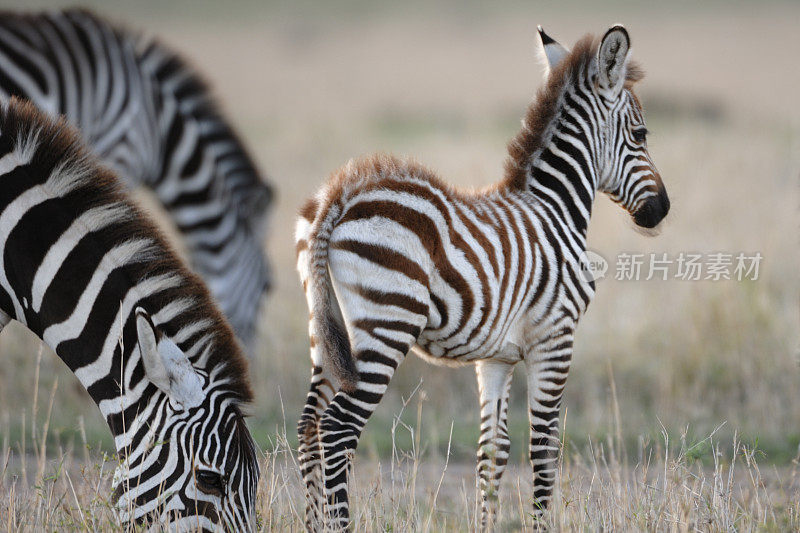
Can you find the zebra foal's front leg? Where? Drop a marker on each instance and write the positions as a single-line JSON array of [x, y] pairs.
[[547, 367], [494, 381]]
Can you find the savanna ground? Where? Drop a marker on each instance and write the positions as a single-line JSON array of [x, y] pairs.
[[682, 409]]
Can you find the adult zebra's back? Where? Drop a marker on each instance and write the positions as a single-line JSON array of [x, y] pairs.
[[393, 259], [82, 268], [150, 116]]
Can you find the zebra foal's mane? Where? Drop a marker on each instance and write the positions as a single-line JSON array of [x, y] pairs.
[[536, 126], [59, 151]]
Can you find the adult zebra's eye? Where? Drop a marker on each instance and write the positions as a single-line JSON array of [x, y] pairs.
[[640, 135], [209, 481]]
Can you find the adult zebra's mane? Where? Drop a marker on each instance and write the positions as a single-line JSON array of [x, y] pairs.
[[58, 149], [537, 126]]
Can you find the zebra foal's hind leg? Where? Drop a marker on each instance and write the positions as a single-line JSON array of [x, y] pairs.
[[379, 349], [494, 381], [321, 392], [309, 451], [382, 325]]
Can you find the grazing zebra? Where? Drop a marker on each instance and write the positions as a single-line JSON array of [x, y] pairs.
[[148, 114], [392, 259], [83, 269]]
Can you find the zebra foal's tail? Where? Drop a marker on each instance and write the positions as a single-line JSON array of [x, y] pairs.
[[327, 332]]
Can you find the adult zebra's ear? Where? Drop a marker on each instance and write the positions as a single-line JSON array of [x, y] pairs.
[[612, 58], [552, 52], [166, 366]]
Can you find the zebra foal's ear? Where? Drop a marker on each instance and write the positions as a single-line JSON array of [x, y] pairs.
[[551, 52], [166, 366], [612, 57]]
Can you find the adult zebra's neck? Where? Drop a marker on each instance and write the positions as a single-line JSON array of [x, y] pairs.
[[210, 185], [554, 156], [78, 265], [148, 114]]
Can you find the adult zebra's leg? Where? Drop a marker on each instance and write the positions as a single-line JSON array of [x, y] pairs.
[[547, 368], [379, 345], [494, 381]]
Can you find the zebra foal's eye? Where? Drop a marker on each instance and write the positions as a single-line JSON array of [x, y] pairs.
[[209, 481], [639, 135]]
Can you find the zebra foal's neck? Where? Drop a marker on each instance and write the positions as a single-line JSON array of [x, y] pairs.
[[555, 154], [81, 267]]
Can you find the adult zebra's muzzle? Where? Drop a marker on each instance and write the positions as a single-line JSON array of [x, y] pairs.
[[653, 210]]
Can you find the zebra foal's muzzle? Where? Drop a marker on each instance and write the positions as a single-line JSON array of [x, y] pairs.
[[653, 210]]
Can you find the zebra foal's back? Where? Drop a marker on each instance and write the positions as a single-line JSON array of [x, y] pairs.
[[462, 249]]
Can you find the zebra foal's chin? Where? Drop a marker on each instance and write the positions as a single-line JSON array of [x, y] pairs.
[[149, 115], [83, 269], [393, 259]]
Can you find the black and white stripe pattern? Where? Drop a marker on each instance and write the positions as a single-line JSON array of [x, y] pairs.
[[393, 260], [149, 116], [83, 269]]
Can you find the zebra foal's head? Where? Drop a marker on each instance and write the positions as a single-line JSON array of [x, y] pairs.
[[191, 464], [624, 169]]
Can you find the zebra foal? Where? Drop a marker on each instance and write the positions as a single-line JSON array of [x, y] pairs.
[[84, 270], [149, 115], [394, 260]]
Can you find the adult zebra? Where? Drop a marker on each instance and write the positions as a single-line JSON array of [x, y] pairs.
[[83, 269], [149, 115], [392, 259]]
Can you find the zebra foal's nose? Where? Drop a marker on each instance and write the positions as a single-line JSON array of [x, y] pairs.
[[653, 210]]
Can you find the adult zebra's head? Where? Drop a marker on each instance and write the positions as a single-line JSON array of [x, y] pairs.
[[188, 460], [624, 169]]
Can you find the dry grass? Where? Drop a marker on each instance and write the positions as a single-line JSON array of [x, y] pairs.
[[703, 430], [661, 485]]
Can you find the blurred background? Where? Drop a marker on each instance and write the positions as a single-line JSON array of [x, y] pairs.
[[311, 84]]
